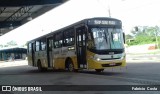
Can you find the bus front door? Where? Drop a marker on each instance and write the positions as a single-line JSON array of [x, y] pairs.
[[49, 52], [81, 46]]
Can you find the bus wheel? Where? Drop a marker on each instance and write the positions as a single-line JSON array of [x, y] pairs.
[[70, 66], [99, 70]]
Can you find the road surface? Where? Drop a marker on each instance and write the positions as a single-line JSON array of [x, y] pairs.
[[136, 73]]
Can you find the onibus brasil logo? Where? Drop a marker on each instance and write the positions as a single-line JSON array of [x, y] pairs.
[[21, 88]]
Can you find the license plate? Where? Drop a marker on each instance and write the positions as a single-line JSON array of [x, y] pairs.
[[112, 64]]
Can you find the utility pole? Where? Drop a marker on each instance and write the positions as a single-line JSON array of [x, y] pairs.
[[109, 10], [107, 7]]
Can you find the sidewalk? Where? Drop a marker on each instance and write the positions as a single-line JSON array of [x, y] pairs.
[[143, 56], [13, 63], [141, 53]]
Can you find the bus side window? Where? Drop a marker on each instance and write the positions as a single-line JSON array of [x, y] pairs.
[[37, 45], [50, 45], [69, 37], [43, 45], [58, 40]]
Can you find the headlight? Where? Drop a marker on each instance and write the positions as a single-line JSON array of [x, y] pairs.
[[123, 56], [96, 58]]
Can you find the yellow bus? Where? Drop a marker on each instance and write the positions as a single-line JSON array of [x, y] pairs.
[[94, 43]]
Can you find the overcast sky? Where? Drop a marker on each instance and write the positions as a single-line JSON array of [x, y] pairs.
[[131, 12]]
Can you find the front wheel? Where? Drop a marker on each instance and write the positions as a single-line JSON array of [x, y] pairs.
[[99, 70], [70, 66]]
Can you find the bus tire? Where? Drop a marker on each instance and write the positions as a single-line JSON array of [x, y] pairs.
[[70, 66], [76, 70], [99, 70], [40, 68]]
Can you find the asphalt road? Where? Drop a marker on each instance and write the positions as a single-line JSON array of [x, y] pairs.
[[136, 73]]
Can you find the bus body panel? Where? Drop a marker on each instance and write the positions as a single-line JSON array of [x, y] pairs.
[[56, 58], [93, 63], [29, 57], [41, 56], [69, 52], [61, 54]]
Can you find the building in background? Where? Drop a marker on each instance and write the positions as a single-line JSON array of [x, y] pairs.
[[13, 53]]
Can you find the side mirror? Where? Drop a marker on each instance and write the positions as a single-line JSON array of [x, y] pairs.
[[124, 39]]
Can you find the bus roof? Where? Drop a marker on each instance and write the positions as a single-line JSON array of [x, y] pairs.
[[76, 23]]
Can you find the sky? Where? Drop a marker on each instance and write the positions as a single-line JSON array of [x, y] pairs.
[[131, 12]]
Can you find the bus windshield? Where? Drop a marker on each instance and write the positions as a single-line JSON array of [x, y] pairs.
[[107, 38]]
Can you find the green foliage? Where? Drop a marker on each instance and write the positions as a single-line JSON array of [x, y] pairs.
[[11, 43], [1, 46], [128, 36], [144, 35], [142, 39]]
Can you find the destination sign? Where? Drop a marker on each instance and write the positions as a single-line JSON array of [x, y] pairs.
[[103, 22]]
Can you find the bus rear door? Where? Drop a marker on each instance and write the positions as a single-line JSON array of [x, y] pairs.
[[33, 53], [81, 46], [49, 51]]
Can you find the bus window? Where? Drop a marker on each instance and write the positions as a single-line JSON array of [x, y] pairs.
[[43, 45], [69, 37], [37, 45], [58, 40], [56, 44], [30, 48], [50, 45]]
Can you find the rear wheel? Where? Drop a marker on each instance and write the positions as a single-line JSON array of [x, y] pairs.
[[70, 66], [99, 70]]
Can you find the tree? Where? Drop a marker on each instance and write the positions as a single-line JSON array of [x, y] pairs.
[[128, 36], [11, 43], [145, 35], [1, 46], [136, 30]]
